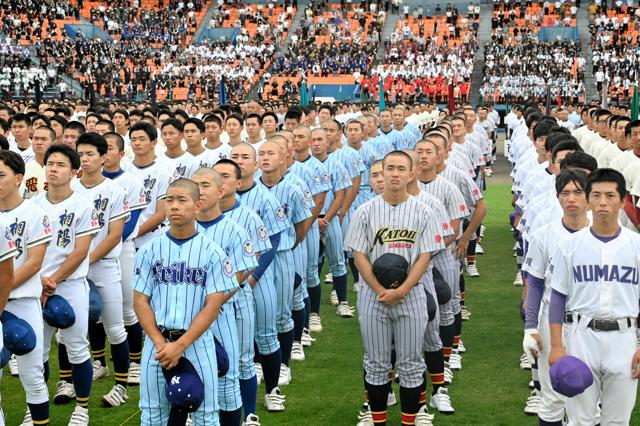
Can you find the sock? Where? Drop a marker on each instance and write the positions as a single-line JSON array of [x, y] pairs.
[[457, 324], [364, 380], [446, 335], [354, 270], [307, 310], [534, 375], [298, 324], [423, 393], [46, 371], [286, 342], [82, 379], [462, 288], [471, 259], [315, 296], [340, 284], [120, 355], [97, 339], [320, 265], [134, 338], [409, 404], [546, 423], [230, 418], [65, 365], [39, 413], [249, 393], [393, 359], [435, 366], [378, 402], [271, 369]]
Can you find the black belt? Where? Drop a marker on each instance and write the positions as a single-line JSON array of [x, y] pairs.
[[172, 335], [598, 324]]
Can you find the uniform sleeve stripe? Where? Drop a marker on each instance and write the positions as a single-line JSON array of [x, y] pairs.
[[9, 254], [88, 232], [119, 216], [42, 240]]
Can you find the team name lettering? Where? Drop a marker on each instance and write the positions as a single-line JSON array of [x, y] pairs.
[[611, 273], [178, 273], [101, 207], [386, 235], [17, 230]]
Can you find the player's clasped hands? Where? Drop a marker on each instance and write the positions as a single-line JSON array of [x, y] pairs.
[[169, 354], [391, 297]]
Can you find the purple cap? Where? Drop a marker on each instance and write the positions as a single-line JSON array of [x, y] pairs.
[[570, 376]]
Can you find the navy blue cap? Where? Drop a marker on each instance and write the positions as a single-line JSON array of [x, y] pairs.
[[184, 390], [18, 336], [58, 313], [391, 270], [95, 302]]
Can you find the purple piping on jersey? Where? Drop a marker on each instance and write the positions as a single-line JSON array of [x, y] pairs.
[[557, 307], [605, 239], [180, 241], [535, 290], [568, 229]]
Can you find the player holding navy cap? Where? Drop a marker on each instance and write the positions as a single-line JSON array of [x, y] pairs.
[[185, 266], [393, 223], [64, 270], [8, 251], [594, 291], [30, 229]]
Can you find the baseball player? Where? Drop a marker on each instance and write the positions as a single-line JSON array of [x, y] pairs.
[[194, 130], [386, 129], [236, 244], [594, 292], [294, 210], [111, 206], [393, 223], [64, 270], [155, 176], [542, 245], [259, 199], [21, 130], [30, 229], [250, 328], [183, 163], [34, 181], [180, 265], [212, 131]]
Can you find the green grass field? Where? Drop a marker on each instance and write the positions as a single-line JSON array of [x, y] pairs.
[[327, 387]]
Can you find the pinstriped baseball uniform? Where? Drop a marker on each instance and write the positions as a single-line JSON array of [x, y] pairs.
[[368, 155], [177, 275], [393, 136], [355, 166], [377, 228], [236, 244], [381, 144]]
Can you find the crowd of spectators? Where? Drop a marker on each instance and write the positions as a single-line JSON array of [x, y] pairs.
[[26, 21]]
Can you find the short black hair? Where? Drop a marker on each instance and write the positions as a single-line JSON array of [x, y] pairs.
[[578, 177], [544, 127], [402, 153], [212, 118], [232, 163], [65, 150], [270, 114], [119, 140], [41, 117], [256, 116], [175, 123], [93, 139], [631, 126], [143, 126], [607, 175], [196, 122], [60, 120], [236, 117], [122, 111], [293, 114], [4, 143], [21, 118], [52, 133], [12, 160], [76, 125], [579, 160], [565, 145], [112, 127], [329, 108]]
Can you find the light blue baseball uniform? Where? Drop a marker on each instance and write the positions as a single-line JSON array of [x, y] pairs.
[[177, 275], [381, 144], [292, 210], [355, 167], [408, 138], [368, 156], [392, 136], [237, 245]]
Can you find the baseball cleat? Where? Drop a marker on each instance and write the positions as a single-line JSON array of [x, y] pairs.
[[13, 366], [448, 374], [315, 324], [259, 374], [334, 298], [251, 420], [525, 364], [99, 371], [532, 385], [472, 270], [479, 249], [285, 375], [274, 401], [423, 418], [328, 279], [466, 315], [297, 352], [461, 348], [517, 281], [117, 396], [391, 399], [455, 360], [27, 421], [356, 287], [65, 392], [442, 402], [307, 338], [533, 403], [364, 417], [482, 230], [344, 310], [79, 417], [134, 374]]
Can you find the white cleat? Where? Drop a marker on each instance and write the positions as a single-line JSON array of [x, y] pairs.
[[472, 270], [274, 401], [117, 396], [189, 421], [79, 417], [455, 361], [297, 352], [27, 421], [328, 279], [391, 399], [364, 417], [461, 348], [315, 324], [423, 417], [13, 366], [356, 287], [482, 230], [479, 249], [525, 364], [532, 385], [466, 315], [517, 281], [307, 338], [442, 402], [251, 420], [65, 392], [285, 375], [344, 310], [134, 374], [448, 374], [334, 298], [259, 374], [99, 371], [533, 403]]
